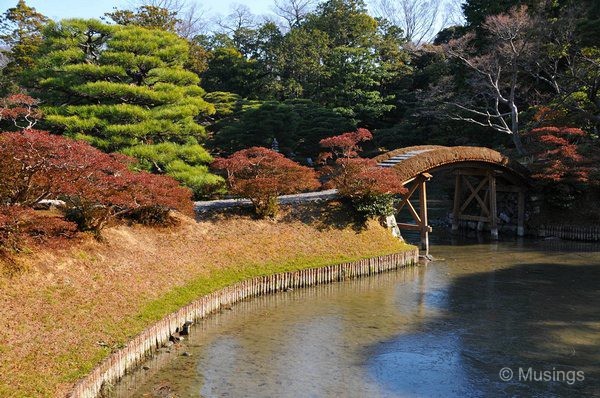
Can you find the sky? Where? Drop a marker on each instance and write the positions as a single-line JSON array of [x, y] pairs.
[[58, 9]]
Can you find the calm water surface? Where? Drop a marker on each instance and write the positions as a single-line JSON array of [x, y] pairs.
[[441, 330]]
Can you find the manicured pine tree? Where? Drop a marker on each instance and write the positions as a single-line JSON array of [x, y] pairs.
[[125, 88]]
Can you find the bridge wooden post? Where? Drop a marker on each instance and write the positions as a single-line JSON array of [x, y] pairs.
[[457, 202], [420, 217], [485, 209], [423, 213], [493, 206], [521, 213]]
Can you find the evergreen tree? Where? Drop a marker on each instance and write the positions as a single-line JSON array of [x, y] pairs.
[[297, 125], [147, 16], [361, 54], [339, 57], [155, 17], [229, 70], [125, 88], [20, 38]]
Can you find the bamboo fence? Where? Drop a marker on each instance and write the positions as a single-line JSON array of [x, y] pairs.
[[143, 345], [590, 233]]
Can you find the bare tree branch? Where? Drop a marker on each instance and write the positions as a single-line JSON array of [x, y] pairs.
[[498, 71], [293, 11], [239, 18], [191, 17], [420, 19]]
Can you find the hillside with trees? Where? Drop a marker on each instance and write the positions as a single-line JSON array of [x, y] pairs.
[[112, 126], [166, 85]]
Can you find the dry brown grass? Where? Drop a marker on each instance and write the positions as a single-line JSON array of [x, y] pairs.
[[60, 314], [440, 156]]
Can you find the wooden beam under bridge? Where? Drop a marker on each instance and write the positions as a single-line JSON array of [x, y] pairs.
[[484, 193], [420, 218]]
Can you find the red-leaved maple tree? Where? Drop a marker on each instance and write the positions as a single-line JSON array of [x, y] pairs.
[[31, 166], [20, 109], [261, 175], [96, 187], [370, 187], [558, 156], [360, 178], [346, 145]]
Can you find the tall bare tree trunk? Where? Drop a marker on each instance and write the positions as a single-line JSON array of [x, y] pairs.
[[514, 117]]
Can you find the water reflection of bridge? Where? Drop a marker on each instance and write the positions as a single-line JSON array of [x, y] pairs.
[[480, 173]]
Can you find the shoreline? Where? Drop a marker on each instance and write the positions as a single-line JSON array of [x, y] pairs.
[[136, 351], [85, 302]]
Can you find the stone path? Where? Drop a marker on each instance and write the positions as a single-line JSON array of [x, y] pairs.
[[285, 199]]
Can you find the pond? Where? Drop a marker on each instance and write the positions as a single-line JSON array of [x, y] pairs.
[[448, 329]]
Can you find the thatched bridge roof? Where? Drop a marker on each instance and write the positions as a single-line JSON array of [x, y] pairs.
[[411, 161]]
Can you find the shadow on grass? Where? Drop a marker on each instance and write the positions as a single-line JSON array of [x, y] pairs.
[[324, 215], [219, 214], [321, 215]]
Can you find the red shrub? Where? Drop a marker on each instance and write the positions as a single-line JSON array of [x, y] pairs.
[[20, 226], [370, 187], [21, 110], [359, 178], [261, 175], [344, 145], [155, 195], [100, 187], [29, 165], [96, 187], [558, 156]]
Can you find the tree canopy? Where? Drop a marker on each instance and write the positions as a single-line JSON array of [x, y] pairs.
[[156, 85], [125, 88], [20, 35]]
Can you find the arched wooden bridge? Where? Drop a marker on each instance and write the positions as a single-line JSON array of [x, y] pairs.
[[479, 174]]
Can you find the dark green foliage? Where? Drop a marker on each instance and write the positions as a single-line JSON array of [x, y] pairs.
[[20, 39], [125, 88], [450, 33], [147, 16], [225, 103], [340, 57], [476, 11], [229, 70], [346, 22], [375, 205], [297, 125]]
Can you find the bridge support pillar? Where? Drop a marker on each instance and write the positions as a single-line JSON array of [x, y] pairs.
[[423, 215], [457, 202], [521, 213], [477, 190], [493, 212], [421, 218]]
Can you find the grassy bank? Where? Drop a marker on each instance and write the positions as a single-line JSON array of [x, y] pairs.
[[71, 307]]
